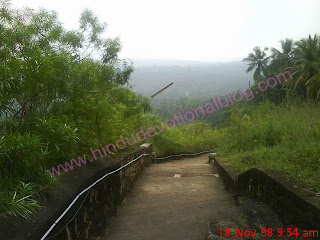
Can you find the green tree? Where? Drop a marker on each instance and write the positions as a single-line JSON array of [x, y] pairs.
[[307, 66], [257, 61], [61, 93], [282, 60]]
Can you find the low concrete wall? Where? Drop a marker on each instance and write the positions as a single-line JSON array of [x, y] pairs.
[[227, 174], [94, 211], [293, 202], [175, 156]]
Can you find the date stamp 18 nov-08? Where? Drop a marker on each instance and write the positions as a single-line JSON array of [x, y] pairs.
[[267, 232]]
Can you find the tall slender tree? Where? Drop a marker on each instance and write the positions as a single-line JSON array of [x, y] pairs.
[[283, 59], [307, 65], [257, 61]]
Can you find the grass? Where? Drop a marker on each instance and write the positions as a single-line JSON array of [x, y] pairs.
[[20, 201], [191, 137], [280, 138]]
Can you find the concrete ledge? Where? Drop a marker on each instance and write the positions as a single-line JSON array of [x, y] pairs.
[[97, 209], [292, 201], [228, 175], [167, 158]]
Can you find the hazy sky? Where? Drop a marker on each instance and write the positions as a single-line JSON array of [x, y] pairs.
[[193, 29]]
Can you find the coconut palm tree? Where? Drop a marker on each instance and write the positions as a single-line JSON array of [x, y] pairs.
[[284, 58], [307, 65], [257, 61]]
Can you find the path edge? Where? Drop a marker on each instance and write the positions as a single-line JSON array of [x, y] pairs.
[[94, 210], [292, 201]]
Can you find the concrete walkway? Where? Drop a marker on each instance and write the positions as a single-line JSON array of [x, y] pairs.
[[176, 200]]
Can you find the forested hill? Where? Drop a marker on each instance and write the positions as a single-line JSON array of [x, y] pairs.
[[194, 79]]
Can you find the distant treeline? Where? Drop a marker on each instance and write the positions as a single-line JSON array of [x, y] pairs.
[[301, 58], [203, 80], [280, 129]]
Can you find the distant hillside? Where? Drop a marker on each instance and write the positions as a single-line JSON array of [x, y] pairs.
[[164, 62], [194, 79]]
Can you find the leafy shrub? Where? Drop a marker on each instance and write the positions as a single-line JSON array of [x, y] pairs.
[[282, 138], [192, 137], [60, 140], [21, 159], [61, 93], [19, 202]]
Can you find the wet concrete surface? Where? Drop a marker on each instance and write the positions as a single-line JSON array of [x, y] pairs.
[[185, 200]]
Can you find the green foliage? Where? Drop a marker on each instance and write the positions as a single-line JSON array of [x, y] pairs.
[[21, 159], [301, 58], [166, 108], [275, 137], [258, 61], [192, 137], [307, 66], [20, 202], [61, 93], [61, 139], [282, 59]]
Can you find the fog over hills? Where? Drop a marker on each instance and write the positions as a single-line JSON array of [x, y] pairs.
[[141, 62], [190, 78]]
